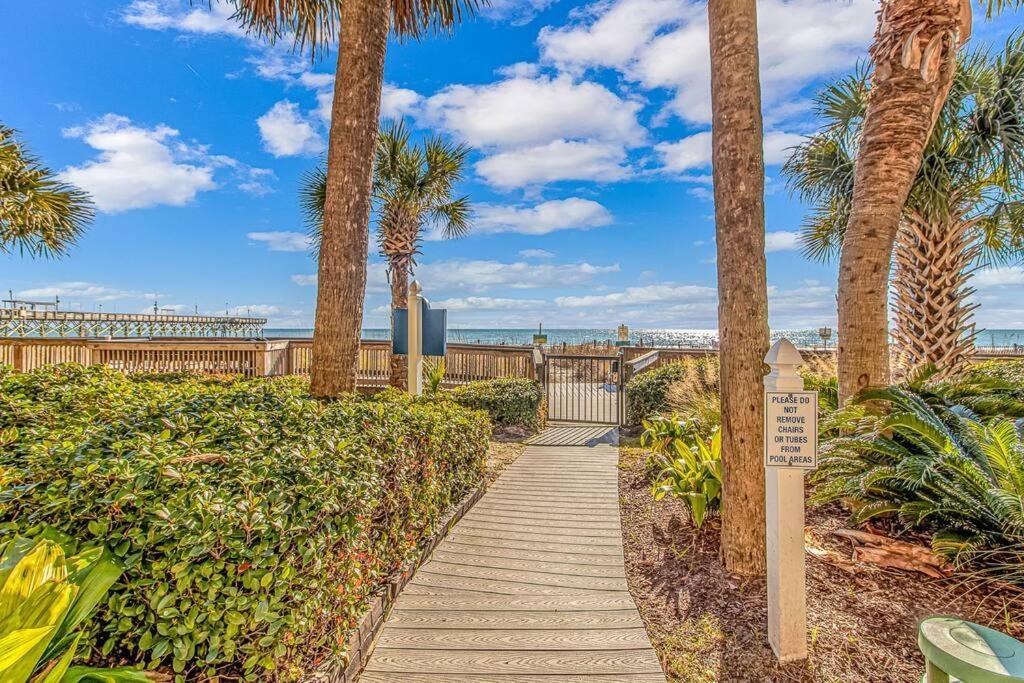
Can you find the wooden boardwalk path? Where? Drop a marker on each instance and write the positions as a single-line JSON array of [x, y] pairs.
[[529, 587]]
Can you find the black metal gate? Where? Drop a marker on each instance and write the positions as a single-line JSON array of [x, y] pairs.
[[586, 389]]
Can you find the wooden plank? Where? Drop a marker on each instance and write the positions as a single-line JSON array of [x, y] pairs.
[[495, 561], [579, 531], [591, 602], [537, 640], [609, 522], [381, 677], [461, 571], [615, 662], [509, 619], [531, 554], [540, 538], [427, 583], [533, 544]]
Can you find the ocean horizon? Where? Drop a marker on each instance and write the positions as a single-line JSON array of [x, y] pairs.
[[688, 338]]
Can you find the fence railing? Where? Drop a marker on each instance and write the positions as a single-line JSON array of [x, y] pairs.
[[463, 362]]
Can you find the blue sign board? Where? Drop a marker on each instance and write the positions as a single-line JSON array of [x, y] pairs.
[[435, 331]]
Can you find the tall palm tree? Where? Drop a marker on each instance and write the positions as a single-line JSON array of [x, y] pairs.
[[413, 186], [913, 56], [361, 29], [39, 215], [963, 209], [738, 163], [914, 60]]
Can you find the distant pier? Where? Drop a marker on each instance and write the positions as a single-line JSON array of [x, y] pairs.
[[25, 322]]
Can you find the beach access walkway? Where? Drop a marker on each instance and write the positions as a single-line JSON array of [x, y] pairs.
[[529, 586]]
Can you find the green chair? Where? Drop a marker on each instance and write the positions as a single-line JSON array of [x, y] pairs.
[[957, 650]]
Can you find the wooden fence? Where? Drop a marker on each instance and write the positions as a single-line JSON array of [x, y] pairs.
[[463, 363]]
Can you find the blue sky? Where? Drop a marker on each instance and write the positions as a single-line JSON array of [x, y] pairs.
[[590, 175]]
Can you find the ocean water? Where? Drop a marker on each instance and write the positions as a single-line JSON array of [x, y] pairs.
[[803, 338]]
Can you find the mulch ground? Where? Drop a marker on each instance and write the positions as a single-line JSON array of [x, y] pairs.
[[501, 454], [709, 625]]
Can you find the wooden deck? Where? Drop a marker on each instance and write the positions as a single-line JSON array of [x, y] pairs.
[[528, 587]]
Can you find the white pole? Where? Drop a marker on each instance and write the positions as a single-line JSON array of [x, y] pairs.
[[784, 501], [415, 329]]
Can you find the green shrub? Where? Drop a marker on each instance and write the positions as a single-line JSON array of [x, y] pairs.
[[935, 465], [252, 521], [646, 392], [685, 466], [510, 402]]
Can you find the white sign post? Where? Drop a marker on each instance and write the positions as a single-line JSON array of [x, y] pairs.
[[791, 446], [415, 332]]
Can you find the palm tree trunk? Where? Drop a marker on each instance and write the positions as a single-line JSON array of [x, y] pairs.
[[914, 56], [399, 299], [932, 322], [742, 286], [353, 138]]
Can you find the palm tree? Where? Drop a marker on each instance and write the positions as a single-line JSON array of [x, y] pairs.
[[361, 28], [39, 215], [413, 185], [963, 209], [738, 165], [914, 60]]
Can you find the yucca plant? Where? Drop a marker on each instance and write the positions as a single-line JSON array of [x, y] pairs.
[[435, 375], [691, 472], [44, 598], [934, 465]]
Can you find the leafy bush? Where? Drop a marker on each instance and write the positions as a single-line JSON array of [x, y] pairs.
[[44, 597], [252, 521], [510, 402], [688, 466], [935, 465], [646, 392]]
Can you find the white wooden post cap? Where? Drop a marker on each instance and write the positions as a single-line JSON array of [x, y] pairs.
[[783, 353]]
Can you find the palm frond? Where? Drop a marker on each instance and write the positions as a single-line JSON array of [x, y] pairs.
[[312, 24], [39, 214]]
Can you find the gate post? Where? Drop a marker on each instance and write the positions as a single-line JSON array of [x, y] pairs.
[[415, 330]]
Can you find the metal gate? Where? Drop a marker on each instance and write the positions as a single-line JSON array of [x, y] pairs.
[[585, 389]]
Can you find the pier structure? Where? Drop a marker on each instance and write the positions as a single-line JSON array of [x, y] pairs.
[[47, 322]]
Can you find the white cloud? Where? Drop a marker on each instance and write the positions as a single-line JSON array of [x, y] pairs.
[[83, 290], [280, 240], [139, 167], [536, 254], [532, 111], [304, 280], [781, 240], [541, 219], [477, 303], [162, 15], [649, 294], [1001, 276], [482, 275], [664, 44], [555, 161], [256, 310], [694, 151], [396, 102], [286, 133], [516, 12]]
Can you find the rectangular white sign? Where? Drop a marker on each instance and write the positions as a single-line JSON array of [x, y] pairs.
[[791, 429]]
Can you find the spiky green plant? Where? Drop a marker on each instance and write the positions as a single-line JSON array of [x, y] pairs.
[[39, 214], [932, 464], [691, 470]]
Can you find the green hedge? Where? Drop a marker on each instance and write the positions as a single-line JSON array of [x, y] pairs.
[[253, 521], [646, 392], [510, 402]]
